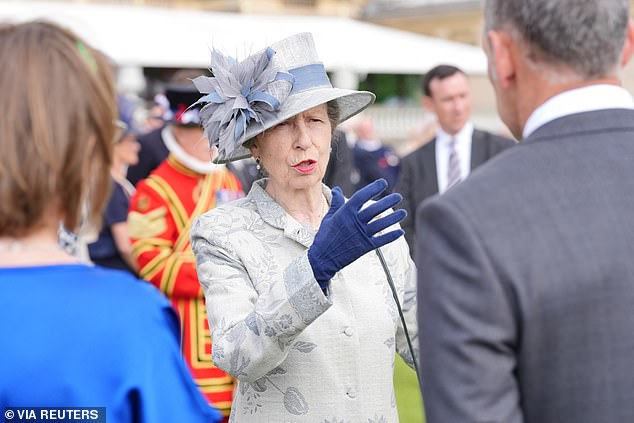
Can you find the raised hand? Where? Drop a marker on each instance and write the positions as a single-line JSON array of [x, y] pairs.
[[347, 232]]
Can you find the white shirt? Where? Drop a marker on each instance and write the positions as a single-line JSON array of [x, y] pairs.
[[585, 99], [443, 149]]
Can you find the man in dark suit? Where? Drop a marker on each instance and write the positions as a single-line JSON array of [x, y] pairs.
[[526, 270], [425, 171]]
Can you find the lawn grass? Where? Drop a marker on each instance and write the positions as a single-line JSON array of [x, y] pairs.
[[408, 402]]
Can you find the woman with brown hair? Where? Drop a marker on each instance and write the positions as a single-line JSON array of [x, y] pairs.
[[72, 334]]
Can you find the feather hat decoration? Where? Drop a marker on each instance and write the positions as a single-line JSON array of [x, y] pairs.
[[239, 94], [245, 98]]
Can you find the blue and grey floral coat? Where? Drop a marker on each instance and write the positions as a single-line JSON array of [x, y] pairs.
[[298, 355]]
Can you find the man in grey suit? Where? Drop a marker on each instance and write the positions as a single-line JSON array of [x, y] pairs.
[[526, 270], [425, 171]]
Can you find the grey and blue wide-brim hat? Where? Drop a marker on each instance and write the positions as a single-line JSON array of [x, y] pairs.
[[245, 98]]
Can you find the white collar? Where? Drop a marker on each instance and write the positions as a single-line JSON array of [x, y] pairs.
[[462, 136], [578, 100], [191, 162]]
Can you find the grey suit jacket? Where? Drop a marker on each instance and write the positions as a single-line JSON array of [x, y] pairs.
[[418, 180], [526, 281]]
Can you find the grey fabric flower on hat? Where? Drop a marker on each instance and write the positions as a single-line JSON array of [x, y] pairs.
[[238, 95]]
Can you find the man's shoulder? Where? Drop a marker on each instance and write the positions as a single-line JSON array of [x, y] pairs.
[[150, 136], [482, 135], [152, 143], [425, 149], [594, 123], [163, 181], [486, 186]]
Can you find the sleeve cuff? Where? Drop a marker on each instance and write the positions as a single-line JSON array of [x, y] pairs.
[[307, 297]]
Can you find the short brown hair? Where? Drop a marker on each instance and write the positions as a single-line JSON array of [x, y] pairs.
[[438, 72], [57, 113]]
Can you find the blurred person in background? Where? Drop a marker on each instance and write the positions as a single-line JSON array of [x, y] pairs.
[[341, 171], [73, 334], [419, 134], [185, 185], [113, 248], [180, 123], [372, 158], [155, 117], [457, 148]]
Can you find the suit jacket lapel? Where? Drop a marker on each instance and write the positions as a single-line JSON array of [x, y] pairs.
[[478, 149], [430, 180]]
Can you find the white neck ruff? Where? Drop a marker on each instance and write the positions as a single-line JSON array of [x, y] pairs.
[[182, 156]]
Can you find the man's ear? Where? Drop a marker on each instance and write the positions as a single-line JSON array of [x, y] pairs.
[[628, 47], [500, 49]]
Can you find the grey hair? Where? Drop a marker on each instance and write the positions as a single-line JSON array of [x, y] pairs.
[[585, 36], [334, 112]]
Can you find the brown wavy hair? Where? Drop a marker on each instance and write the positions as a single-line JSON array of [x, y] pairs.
[[57, 114]]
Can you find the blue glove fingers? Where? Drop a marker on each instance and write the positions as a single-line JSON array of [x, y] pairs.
[[379, 207], [336, 201], [385, 222], [367, 193], [384, 239]]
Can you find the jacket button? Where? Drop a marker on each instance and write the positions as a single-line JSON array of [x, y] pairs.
[[348, 331]]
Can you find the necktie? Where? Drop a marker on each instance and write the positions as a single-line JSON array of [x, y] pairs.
[[453, 170]]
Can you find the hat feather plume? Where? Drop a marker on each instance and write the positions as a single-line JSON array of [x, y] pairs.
[[238, 95]]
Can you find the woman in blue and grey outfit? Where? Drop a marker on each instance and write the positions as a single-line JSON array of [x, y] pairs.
[[299, 305]]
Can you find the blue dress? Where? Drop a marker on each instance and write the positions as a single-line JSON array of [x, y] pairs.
[[81, 336]]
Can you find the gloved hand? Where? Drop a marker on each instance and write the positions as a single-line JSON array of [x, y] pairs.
[[347, 232]]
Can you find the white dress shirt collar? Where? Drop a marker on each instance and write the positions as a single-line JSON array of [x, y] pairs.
[[462, 137], [443, 149], [578, 100]]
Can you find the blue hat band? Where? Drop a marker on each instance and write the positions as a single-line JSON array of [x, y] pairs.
[[308, 77]]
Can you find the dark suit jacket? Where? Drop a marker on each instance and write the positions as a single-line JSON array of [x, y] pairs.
[[340, 165], [152, 153], [526, 281], [418, 179]]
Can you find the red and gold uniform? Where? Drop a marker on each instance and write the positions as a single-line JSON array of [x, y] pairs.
[[161, 214]]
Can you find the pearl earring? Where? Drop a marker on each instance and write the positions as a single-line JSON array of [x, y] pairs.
[[258, 162]]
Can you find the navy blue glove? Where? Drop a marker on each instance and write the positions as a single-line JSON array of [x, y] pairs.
[[347, 232]]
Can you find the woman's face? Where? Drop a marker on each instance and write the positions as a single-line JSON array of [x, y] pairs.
[[295, 152], [127, 149]]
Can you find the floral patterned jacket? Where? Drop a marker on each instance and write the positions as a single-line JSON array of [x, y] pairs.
[[298, 355]]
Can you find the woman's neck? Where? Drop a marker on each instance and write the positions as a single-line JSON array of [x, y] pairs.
[[306, 206], [39, 247]]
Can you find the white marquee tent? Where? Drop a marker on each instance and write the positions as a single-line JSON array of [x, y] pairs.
[[136, 37]]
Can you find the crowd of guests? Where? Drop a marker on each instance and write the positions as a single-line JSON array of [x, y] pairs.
[[255, 261]]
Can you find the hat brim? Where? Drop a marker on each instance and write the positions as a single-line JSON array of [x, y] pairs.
[[350, 103]]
